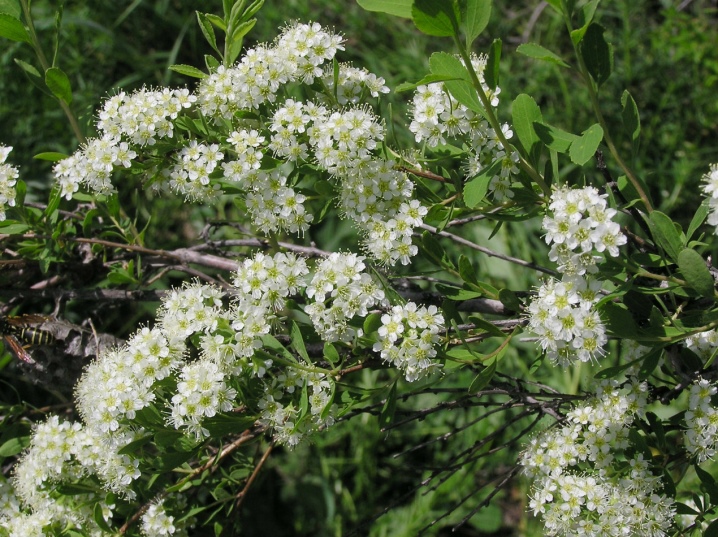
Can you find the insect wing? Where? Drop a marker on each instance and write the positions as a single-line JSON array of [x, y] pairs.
[[17, 349]]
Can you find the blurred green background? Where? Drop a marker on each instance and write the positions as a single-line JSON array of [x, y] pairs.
[[342, 481]]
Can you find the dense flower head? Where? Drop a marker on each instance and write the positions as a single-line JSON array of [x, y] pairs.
[[605, 497], [564, 317], [710, 189], [701, 421], [8, 180], [297, 55], [144, 116], [190, 174], [408, 337], [341, 290], [579, 225], [353, 83]]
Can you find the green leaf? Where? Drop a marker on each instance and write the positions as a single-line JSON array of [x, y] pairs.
[[597, 53], [467, 270], [482, 379], [486, 326], [434, 250], [100, 519], [618, 320], [524, 112], [509, 299], [331, 354], [14, 446], [557, 139], [708, 482], [711, 530], [188, 70], [584, 147], [59, 84], [475, 190], [458, 81], [10, 227], [398, 8], [13, 29], [208, 31], [533, 50], [386, 416], [665, 234], [217, 21], [696, 273], [631, 118], [478, 13], [50, 156], [372, 322], [438, 19], [697, 220], [11, 7], [298, 342], [491, 73]]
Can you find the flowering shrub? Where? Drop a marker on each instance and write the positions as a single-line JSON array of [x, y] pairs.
[[262, 345]]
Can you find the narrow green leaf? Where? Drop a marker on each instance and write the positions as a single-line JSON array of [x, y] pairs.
[[533, 50], [217, 21], [438, 19], [11, 28], [188, 70], [398, 8], [475, 190], [208, 31], [711, 530], [557, 139], [525, 112], [10, 227], [697, 220], [458, 80], [484, 377], [584, 147], [372, 322], [467, 270], [491, 73], [557, 5], [59, 84], [708, 482], [478, 13], [486, 326], [298, 342], [432, 247], [50, 156], [97, 514], [597, 53], [694, 270], [631, 118], [665, 234], [386, 416]]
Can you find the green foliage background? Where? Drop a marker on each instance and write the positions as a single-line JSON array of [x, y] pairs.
[[667, 58]]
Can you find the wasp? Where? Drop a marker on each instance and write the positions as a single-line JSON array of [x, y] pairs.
[[23, 331]]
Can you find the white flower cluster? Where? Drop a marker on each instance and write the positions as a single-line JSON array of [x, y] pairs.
[[710, 189], [563, 316], [282, 416], [139, 119], [298, 54], [341, 290], [563, 313], [273, 205], [436, 116], [582, 484], [195, 163], [704, 344], [8, 180], [353, 83], [580, 224], [59, 452], [144, 116], [408, 337], [702, 421], [201, 392], [156, 522]]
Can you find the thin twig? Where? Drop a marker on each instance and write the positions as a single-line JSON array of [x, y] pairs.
[[243, 493]]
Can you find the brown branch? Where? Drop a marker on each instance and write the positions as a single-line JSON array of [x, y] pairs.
[[422, 173], [243, 493], [464, 242]]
